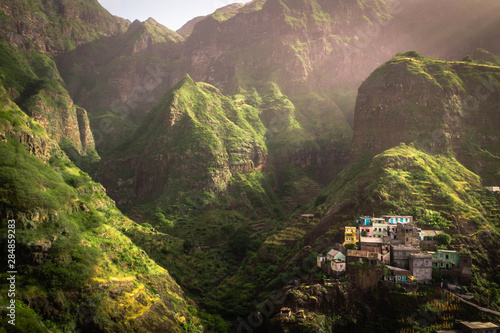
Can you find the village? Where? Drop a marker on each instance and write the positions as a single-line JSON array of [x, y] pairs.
[[408, 253]]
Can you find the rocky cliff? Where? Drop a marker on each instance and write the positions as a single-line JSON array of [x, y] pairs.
[[56, 26], [439, 106], [32, 80], [191, 144], [76, 268]]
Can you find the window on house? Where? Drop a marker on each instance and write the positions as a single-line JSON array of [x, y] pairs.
[[447, 257]]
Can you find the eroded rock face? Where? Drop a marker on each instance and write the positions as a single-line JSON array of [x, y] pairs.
[[55, 111], [72, 22], [439, 106], [187, 145]]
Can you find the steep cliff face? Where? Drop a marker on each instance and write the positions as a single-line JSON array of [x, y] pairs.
[[322, 43], [120, 78], [192, 142], [188, 28], [56, 26], [79, 270], [435, 104], [32, 80]]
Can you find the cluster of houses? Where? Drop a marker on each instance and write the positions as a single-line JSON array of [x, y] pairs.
[[396, 242]]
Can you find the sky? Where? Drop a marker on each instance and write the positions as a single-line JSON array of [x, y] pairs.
[[171, 13]]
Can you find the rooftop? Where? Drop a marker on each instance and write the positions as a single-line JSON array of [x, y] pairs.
[[405, 248], [333, 252], [431, 232], [478, 325], [388, 216], [373, 240], [393, 268], [421, 255], [363, 254], [448, 251]]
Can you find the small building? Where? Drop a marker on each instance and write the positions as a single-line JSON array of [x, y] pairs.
[[421, 266], [366, 230], [372, 244], [337, 262], [391, 230], [398, 219], [445, 259], [478, 327], [400, 254], [429, 234], [333, 263], [364, 220], [396, 274], [351, 235], [493, 188], [335, 255], [307, 217], [465, 265], [337, 267], [379, 229], [363, 256], [368, 220], [408, 234]]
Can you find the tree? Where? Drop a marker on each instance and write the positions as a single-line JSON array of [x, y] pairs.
[[468, 58], [443, 239], [351, 246]]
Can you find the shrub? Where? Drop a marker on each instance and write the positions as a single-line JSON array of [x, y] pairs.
[[468, 58], [443, 239], [412, 54]]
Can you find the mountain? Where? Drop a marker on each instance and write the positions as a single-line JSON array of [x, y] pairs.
[[76, 267], [188, 28], [193, 141], [32, 80], [435, 104], [56, 26], [219, 137]]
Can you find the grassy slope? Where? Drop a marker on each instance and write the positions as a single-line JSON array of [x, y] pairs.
[[32, 80], [76, 267], [435, 189]]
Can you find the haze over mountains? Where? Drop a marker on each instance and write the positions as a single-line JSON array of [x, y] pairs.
[[214, 139]]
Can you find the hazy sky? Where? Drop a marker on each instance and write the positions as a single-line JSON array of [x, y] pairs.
[[171, 13]]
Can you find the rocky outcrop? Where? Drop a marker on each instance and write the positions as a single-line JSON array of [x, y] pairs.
[[439, 106], [24, 24], [192, 142], [188, 28]]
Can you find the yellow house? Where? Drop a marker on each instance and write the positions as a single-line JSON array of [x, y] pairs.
[[351, 235]]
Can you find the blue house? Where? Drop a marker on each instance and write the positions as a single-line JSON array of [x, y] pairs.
[[364, 220], [398, 219]]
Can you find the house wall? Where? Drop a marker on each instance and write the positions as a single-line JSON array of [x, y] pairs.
[[379, 229], [368, 229], [350, 235], [446, 260], [421, 267], [428, 243], [398, 219]]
